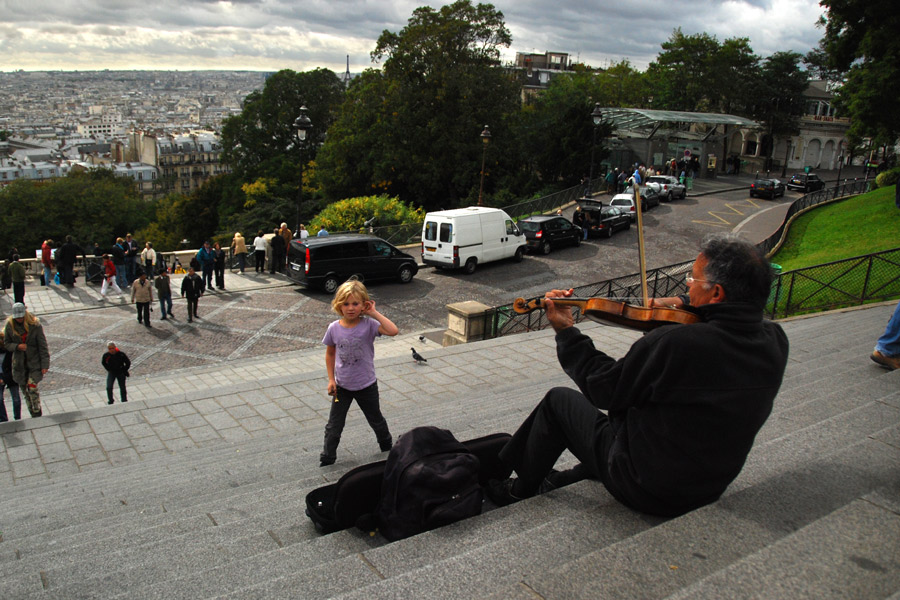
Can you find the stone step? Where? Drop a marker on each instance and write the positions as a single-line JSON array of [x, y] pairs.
[[800, 565]]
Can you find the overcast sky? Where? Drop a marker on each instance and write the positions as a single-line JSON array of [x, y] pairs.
[[269, 35]]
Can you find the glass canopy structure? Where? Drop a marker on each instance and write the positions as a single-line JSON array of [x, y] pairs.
[[639, 118]]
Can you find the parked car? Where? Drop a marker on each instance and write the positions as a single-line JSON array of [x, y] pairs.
[[805, 182], [545, 232], [650, 197], [771, 188], [328, 261], [668, 187], [625, 203], [607, 220]]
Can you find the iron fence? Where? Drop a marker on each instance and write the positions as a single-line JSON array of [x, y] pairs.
[[849, 282]]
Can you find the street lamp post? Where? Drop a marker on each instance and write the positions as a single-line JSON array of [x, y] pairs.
[[840, 166], [597, 118], [486, 139], [302, 124]]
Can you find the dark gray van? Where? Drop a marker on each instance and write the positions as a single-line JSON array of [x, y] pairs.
[[326, 262]]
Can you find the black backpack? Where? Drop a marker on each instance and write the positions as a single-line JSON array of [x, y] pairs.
[[354, 498], [430, 480]]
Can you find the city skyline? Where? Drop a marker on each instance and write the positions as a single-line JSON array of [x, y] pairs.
[[269, 35]]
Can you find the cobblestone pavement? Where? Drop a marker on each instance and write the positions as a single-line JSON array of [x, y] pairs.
[[258, 315]]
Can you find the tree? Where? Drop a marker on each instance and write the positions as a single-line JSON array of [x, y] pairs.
[[779, 97], [257, 141], [861, 40], [91, 206], [412, 131], [697, 73]]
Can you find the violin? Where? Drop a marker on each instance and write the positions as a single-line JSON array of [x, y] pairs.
[[616, 312]]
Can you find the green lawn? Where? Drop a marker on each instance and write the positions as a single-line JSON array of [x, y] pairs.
[[860, 225]]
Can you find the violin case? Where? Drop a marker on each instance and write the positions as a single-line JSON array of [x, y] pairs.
[[353, 499]]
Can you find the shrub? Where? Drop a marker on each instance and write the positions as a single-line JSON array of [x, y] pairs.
[[352, 213], [887, 178]]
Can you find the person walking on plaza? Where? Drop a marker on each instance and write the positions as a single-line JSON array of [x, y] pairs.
[[148, 259], [131, 258], [118, 253], [117, 365], [7, 382], [239, 250], [66, 257], [164, 293], [142, 296], [192, 287], [350, 364], [23, 336], [109, 278], [259, 252], [17, 277], [287, 235], [47, 261], [887, 348], [207, 259], [278, 251], [219, 266]]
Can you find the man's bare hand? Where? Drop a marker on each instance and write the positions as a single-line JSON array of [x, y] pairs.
[[560, 317]]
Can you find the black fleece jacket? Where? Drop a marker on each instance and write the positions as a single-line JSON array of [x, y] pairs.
[[685, 403]]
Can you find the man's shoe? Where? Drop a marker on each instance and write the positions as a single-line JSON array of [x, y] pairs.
[[500, 492], [557, 479], [190, 320], [163, 318], [324, 461], [889, 362], [385, 446]]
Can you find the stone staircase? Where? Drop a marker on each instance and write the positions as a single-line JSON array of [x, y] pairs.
[[814, 514]]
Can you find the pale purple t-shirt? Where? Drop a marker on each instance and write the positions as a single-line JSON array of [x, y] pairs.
[[354, 360]]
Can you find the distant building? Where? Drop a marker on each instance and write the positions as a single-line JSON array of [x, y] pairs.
[[185, 162], [539, 69]]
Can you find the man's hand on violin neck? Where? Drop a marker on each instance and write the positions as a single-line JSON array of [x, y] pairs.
[[669, 302], [560, 317]]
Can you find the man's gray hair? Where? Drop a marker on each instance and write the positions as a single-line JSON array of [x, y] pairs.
[[739, 267]]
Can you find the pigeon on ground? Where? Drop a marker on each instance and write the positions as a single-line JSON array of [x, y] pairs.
[[422, 338], [418, 357]]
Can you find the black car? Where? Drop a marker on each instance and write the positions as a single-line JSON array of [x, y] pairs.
[[805, 182], [609, 220], [546, 232], [328, 261], [766, 188], [650, 197]]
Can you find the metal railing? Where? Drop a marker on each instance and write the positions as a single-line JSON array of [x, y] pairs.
[[849, 282]]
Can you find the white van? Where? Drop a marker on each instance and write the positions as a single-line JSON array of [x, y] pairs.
[[465, 237]]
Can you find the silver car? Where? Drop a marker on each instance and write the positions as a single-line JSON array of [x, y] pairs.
[[668, 187]]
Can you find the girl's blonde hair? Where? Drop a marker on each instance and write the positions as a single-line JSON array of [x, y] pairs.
[[347, 289]]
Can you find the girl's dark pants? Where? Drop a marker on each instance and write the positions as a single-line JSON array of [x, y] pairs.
[[110, 378], [367, 398]]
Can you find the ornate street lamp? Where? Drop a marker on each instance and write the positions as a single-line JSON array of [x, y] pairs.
[[302, 124], [486, 139], [597, 118]]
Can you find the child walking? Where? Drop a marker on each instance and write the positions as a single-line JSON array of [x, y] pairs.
[[350, 362]]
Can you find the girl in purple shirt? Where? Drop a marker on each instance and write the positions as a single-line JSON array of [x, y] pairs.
[[350, 362]]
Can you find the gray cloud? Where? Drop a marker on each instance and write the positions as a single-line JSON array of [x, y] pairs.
[[274, 34]]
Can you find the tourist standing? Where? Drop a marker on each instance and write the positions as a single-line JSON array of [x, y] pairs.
[[239, 250], [116, 364], [23, 336], [142, 296], [164, 293], [259, 251]]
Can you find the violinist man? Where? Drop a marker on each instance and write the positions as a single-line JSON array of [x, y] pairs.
[[667, 427]]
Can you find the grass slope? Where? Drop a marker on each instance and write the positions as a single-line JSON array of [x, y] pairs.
[[860, 225]]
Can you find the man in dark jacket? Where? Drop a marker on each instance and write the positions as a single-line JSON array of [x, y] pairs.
[[65, 261], [192, 288], [683, 405], [116, 364], [278, 252]]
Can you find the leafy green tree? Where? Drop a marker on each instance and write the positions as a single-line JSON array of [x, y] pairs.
[[698, 73], [91, 206], [413, 130], [861, 39], [779, 96], [352, 213], [262, 141]]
